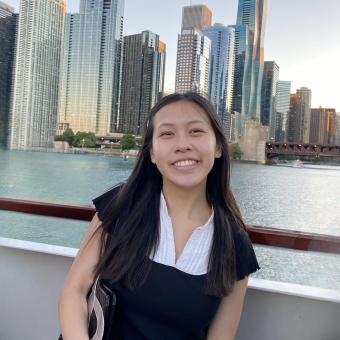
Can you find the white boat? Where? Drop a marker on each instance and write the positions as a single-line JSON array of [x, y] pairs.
[[297, 164]]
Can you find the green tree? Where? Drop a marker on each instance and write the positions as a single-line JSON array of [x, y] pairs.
[[68, 136], [84, 139], [128, 141], [236, 152], [59, 138]]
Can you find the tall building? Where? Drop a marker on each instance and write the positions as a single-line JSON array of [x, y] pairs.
[[91, 67], [250, 28], [281, 109], [293, 116], [221, 79], [193, 62], [317, 125], [193, 51], [268, 93], [299, 116], [5, 10], [322, 126], [142, 79], [330, 126], [69, 69], [8, 27], [33, 118], [241, 58], [337, 134], [196, 16], [305, 96]]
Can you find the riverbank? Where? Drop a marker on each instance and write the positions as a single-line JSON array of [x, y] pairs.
[[133, 153]]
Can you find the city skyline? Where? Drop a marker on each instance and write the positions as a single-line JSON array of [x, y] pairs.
[[290, 42], [292, 46]]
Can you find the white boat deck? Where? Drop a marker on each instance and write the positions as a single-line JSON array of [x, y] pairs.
[[32, 275]]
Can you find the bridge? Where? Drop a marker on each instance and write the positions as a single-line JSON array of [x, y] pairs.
[[273, 149]]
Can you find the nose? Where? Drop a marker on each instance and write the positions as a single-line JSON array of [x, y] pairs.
[[183, 145]]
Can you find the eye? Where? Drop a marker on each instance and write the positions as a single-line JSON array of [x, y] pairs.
[[166, 133], [196, 131]]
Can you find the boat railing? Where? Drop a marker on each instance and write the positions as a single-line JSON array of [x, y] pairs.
[[33, 274], [267, 236]]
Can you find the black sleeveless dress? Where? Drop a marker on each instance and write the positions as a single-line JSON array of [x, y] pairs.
[[171, 304]]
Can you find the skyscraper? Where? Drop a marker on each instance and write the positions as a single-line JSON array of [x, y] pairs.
[[317, 125], [196, 16], [193, 51], [299, 116], [337, 134], [33, 118], [8, 25], [222, 61], [193, 62], [322, 126], [281, 109], [241, 58], [5, 10], [142, 79], [91, 67], [305, 97], [250, 28], [268, 93], [330, 126]]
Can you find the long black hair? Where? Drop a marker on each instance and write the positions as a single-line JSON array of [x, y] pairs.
[[131, 220]]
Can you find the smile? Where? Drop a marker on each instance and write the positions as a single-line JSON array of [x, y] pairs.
[[185, 163]]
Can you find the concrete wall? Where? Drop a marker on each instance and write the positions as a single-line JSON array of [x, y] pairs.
[[253, 141]]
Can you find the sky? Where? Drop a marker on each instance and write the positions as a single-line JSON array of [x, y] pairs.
[[302, 36]]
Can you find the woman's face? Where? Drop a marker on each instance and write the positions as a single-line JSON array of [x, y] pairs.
[[183, 144]]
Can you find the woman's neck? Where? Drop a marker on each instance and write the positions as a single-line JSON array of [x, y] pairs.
[[187, 202]]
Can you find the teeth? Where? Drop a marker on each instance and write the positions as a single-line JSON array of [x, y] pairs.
[[185, 163]]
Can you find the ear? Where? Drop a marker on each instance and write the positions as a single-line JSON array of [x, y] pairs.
[[218, 152], [152, 157]]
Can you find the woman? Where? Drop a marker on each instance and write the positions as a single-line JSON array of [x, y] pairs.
[[171, 240]]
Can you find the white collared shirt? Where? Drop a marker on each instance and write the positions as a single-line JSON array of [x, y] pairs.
[[195, 255]]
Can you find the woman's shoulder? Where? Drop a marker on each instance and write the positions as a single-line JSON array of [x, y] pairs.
[[246, 261], [103, 200]]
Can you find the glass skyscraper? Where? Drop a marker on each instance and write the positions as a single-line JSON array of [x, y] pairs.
[[222, 61], [91, 67], [196, 16], [268, 93], [8, 24], [299, 116], [142, 79], [250, 28], [33, 118], [193, 62], [5, 10], [193, 51], [281, 109]]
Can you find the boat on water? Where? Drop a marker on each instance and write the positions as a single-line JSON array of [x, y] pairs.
[[32, 276], [297, 164], [294, 164]]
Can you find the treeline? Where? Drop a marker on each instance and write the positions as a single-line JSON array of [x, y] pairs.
[[80, 139], [88, 139]]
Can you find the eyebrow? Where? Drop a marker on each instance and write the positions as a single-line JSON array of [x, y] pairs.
[[188, 123]]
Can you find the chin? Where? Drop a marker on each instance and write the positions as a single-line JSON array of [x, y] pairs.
[[186, 183]]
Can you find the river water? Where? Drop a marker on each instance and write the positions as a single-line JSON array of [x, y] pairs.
[[304, 199]]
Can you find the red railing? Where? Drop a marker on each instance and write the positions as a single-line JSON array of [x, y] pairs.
[[259, 235]]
